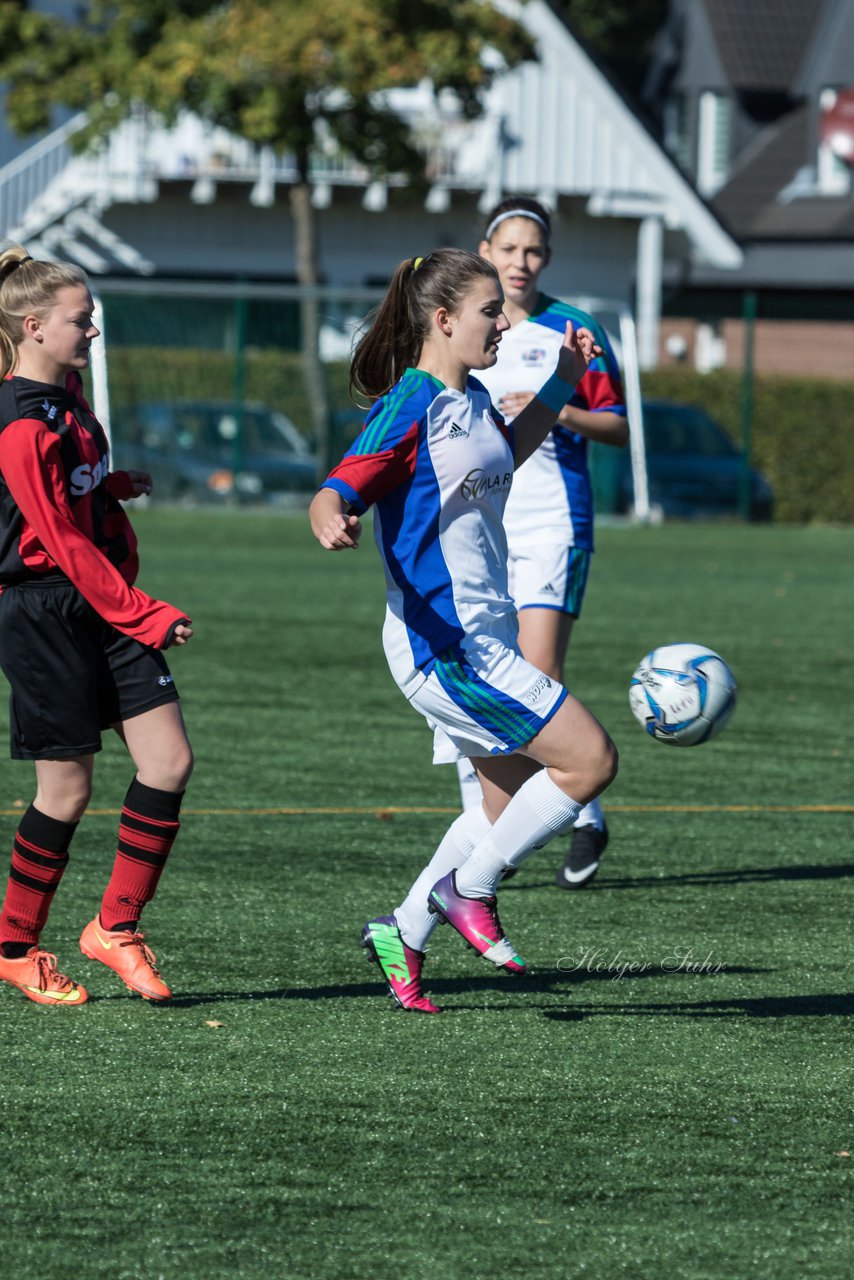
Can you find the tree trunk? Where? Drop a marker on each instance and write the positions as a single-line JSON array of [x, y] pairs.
[[305, 226]]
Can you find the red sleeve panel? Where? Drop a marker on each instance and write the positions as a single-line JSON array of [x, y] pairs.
[[601, 390], [55, 535], [363, 478], [120, 485]]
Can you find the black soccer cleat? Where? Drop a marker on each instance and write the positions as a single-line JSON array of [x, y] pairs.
[[582, 858]]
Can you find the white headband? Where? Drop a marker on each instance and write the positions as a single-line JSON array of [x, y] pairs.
[[515, 213]]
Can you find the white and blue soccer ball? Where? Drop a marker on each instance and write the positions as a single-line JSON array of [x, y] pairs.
[[682, 694]]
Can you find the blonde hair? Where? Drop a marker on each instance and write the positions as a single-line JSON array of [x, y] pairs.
[[28, 288]]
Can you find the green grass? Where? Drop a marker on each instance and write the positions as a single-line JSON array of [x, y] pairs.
[[677, 1119]]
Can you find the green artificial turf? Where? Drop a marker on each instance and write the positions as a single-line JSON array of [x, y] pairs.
[[665, 1095]]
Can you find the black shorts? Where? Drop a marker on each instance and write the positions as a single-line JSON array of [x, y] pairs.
[[71, 673]]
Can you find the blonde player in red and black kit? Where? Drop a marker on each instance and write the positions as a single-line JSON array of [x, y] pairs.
[[79, 643]]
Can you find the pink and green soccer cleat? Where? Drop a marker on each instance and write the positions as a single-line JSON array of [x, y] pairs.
[[400, 964], [475, 920]]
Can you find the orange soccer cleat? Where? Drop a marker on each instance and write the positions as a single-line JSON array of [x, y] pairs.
[[37, 976], [124, 951]]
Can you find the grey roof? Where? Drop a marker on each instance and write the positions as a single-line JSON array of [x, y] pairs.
[[774, 266], [789, 51], [770, 194], [762, 172], [761, 42], [830, 59]]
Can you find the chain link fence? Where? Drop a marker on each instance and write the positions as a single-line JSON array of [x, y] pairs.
[[210, 387]]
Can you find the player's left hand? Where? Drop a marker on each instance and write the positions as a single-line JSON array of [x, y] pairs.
[[578, 349], [141, 482], [180, 635]]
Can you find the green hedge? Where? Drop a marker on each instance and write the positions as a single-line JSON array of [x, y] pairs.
[[273, 377], [802, 429], [802, 435]]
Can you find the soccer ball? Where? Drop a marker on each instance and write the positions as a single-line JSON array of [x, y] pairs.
[[682, 694]]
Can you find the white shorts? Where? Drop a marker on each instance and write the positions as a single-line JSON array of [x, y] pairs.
[[486, 703], [550, 575]]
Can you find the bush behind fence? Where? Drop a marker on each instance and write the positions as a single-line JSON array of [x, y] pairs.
[[802, 430], [802, 434]]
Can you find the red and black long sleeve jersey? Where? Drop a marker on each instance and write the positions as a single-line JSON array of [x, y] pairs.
[[60, 509]]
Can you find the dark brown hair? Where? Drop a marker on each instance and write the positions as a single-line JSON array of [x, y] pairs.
[[27, 288], [399, 326], [520, 205]]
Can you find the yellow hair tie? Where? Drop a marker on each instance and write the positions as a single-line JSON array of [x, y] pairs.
[[416, 263]]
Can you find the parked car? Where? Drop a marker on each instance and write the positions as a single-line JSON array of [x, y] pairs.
[[694, 470], [208, 451]]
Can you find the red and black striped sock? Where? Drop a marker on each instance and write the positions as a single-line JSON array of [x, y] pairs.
[[39, 857], [147, 831]]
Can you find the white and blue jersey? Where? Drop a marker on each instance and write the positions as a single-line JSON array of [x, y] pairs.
[[552, 499], [437, 465]]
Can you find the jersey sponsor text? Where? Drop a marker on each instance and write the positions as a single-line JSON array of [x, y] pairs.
[[476, 485], [84, 478]]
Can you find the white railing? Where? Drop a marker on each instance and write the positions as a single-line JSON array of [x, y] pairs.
[[26, 178], [49, 179]]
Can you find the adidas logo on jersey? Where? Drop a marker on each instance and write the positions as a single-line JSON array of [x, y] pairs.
[[457, 432]]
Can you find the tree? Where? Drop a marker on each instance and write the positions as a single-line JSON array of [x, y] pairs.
[[619, 32], [272, 71]]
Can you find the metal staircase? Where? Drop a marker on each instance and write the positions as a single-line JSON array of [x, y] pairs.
[[51, 196]]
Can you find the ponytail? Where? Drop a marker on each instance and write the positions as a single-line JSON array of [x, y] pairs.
[[400, 325], [390, 342]]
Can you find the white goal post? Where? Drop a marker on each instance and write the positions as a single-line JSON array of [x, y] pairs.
[[98, 369]]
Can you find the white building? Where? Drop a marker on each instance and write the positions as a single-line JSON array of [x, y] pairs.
[[194, 203]]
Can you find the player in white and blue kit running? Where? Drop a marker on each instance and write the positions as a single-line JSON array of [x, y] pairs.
[[549, 515], [435, 460]]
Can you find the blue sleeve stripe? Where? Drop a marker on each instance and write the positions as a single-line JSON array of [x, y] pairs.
[[347, 493]]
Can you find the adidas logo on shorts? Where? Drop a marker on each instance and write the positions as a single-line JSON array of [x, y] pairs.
[[456, 432]]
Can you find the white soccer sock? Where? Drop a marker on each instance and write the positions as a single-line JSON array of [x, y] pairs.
[[591, 816], [413, 919], [538, 812], [470, 792]]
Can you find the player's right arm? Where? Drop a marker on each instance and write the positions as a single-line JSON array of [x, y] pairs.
[[31, 465], [380, 460]]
